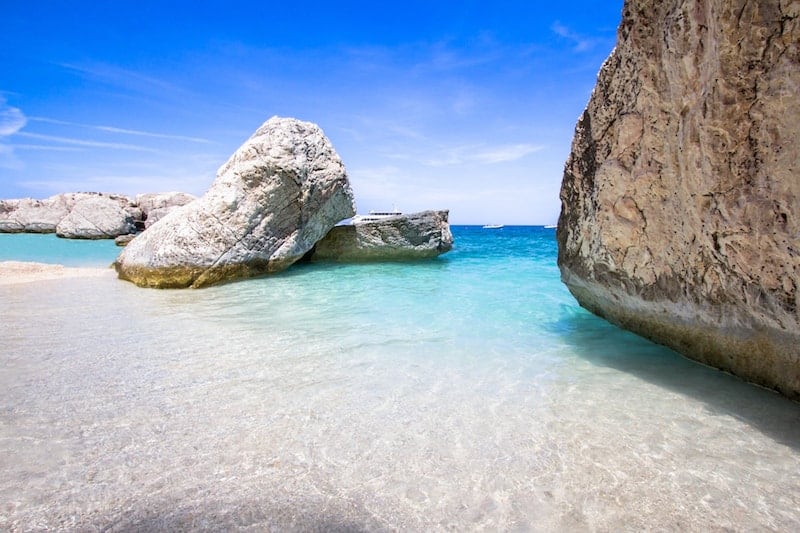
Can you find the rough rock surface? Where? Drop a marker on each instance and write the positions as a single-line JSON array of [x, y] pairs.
[[97, 217], [84, 215], [681, 198], [27, 215], [399, 238], [156, 206], [124, 240], [277, 195]]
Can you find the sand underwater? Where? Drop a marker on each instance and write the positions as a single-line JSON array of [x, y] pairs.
[[465, 393]]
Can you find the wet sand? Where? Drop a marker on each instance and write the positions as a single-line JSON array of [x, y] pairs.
[[14, 272]]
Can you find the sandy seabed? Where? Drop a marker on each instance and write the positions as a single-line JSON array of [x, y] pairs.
[[13, 272]]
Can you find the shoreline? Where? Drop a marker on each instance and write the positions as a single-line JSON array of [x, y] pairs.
[[18, 272]]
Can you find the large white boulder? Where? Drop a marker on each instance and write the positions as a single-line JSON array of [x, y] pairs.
[[277, 195]]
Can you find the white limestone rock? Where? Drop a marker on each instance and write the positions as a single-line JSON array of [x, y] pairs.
[[156, 206], [277, 195], [98, 216], [399, 238], [26, 215]]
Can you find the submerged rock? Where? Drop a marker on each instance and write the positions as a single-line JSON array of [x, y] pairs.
[[277, 195], [398, 238], [681, 198]]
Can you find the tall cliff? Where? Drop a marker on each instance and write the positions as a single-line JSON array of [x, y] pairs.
[[680, 211]]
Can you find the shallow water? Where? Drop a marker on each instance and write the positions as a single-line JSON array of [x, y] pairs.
[[465, 393]]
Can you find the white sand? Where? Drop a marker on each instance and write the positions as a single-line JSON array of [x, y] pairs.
[[14, 272]]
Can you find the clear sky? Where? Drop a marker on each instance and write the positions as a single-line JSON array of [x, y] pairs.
[[465, 105]]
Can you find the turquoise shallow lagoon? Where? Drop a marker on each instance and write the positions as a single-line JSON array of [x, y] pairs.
[[465, 393], [47, 248]]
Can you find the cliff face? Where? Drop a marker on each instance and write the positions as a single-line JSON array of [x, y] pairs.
[[681, 198]]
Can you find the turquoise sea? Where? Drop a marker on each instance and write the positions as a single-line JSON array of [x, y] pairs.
[[465, 393]]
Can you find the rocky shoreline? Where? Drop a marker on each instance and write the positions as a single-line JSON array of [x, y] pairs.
[[88, 215], [277, 200]]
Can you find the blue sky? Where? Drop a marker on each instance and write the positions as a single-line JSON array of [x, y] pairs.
[[466, 105]]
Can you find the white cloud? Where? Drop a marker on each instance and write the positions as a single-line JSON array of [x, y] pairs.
[[480, 154], [46, 147], [11, 119], [8, 159], [83, 142], [125, 78], [503, 154], [123, 131], [581, 42], [112, 129]]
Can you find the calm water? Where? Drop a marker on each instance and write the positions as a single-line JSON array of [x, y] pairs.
[[465, 393]]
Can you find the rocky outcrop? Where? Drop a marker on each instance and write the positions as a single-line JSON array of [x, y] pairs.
[[277, 195], [399, 238], [156, 206], [72, 215], [681, 198], [89, 215], [124, 240], [97, 217]]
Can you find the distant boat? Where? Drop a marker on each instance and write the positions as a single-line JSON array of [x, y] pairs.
[[375, 216], [551, 226], [493, 226]]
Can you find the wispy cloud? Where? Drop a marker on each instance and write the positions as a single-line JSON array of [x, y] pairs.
[[8, 159], [11, 118], [87, 143], [123, 131], [121, 183], [46, 147], [503, 154], [582, 43], [480, 154], [122, 77]]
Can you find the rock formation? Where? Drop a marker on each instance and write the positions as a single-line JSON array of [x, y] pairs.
[[156, 206], [277, 195], [27, 215], [681, 198], [97, 217], [73, 215], [399, 238], [88, 215]]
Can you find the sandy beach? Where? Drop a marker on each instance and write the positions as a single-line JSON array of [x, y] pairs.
[[14, 272]]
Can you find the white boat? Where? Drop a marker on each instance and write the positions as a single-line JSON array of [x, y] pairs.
[[551, 226], [375, 216], [493, 226]]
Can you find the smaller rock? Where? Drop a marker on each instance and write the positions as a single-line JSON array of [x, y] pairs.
[[400, 238], [26, 215], [97, 217], [123, 240], [156, 206]]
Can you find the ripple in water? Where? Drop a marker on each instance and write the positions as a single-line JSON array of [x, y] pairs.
[[465, 393]]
